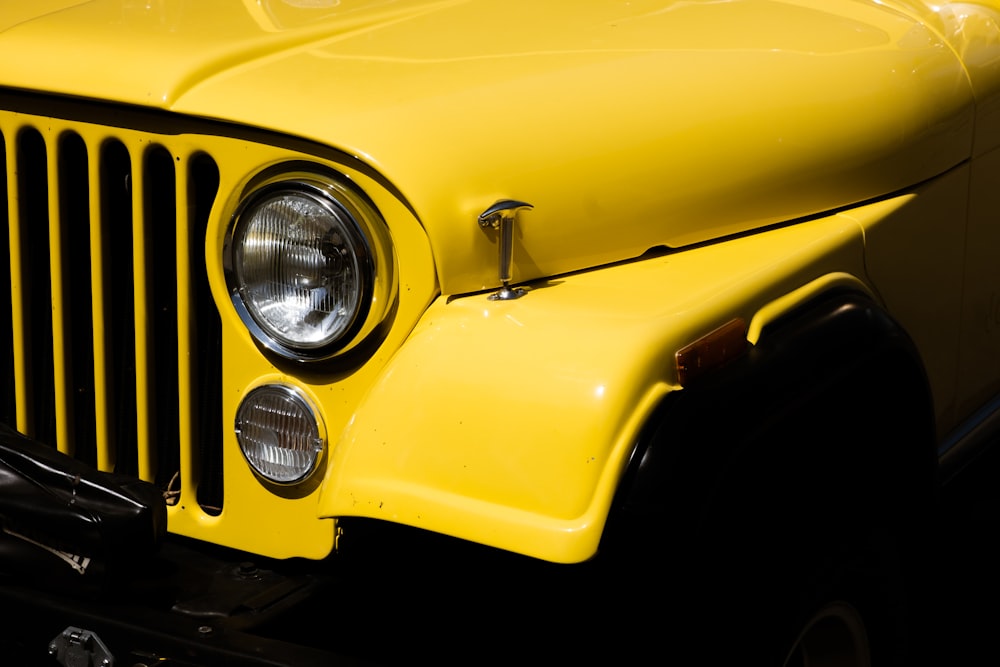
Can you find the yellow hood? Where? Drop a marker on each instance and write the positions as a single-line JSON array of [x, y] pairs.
[[628, 125]]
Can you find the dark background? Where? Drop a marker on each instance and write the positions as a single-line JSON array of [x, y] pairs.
[[967, 602]]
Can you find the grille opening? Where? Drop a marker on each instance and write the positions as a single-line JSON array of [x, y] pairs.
[[36, 287], [110, 340], [161, 381], [206, 337], [119, 310], [74, 226], [7, 406]]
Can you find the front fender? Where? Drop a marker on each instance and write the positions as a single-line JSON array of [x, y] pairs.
[[510, 423]]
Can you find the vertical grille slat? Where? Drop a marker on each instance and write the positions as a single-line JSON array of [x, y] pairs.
[[142, 275], [110, 339], [103, 396], [61, 369]]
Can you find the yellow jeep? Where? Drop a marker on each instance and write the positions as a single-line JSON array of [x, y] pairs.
[[302, 293]]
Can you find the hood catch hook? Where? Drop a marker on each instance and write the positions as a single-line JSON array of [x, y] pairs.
[[501, 216]]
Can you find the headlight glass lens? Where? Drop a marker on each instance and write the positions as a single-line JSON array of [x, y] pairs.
[[279, 434], [302, 268]]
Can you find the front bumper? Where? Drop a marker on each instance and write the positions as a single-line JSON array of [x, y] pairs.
[[186, 608], [85, 561]]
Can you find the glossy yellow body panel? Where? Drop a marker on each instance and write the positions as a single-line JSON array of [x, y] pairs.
[[292, 528], [509, 423], [719, 128], [453, 439], [688, 163], [924, 293], [972, 30]]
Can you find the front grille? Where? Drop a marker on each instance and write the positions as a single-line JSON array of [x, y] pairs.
[[110, 343]]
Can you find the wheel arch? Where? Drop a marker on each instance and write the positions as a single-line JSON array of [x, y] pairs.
[[837, 360]]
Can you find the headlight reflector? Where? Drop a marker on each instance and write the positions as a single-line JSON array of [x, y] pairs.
[[280, 434], [300, 266]]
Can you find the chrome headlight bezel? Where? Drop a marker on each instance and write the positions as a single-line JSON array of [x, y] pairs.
[[358, 227]]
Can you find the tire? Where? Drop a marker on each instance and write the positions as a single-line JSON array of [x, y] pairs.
[[814, 561], [781, 506], [835, 636]]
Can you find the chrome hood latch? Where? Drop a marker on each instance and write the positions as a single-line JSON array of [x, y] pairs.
[[501, 216]]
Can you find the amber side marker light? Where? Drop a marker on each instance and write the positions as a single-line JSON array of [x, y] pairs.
[[712, 351]]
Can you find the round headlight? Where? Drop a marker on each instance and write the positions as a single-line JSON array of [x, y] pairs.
[[300, 266], [280, 434]]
